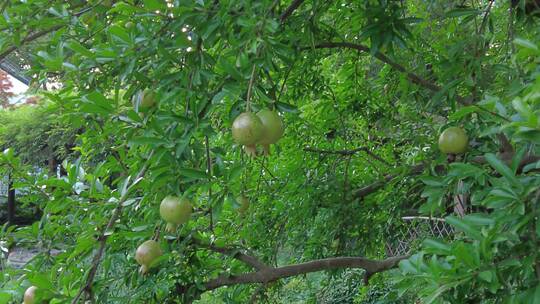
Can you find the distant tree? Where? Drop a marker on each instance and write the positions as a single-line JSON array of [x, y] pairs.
[[5, 89]]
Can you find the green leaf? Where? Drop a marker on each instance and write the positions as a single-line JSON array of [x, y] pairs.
[[465, 227], [79, 48], [486, 275], [140, 228], [526, 44], [479, 219], [503, 169], [407, 267], [154, 5], [193, 173], [120, 33], [4, 297], [432, 181], [285, 107], [436, 247], [41, 280], [148, 140], [95, 102], [464, 111], [460, 12]]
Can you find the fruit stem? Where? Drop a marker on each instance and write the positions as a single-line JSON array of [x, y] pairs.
[[143, 270], [251, 150], [266, 150], [171, 228]]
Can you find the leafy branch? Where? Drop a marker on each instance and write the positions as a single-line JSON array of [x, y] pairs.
[[87, 287], [349, 152]]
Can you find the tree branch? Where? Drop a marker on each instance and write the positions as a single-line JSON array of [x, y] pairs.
[[237, 254], [33, 36], [411, 76], [375, 186], [418, 169], [289, 10], [29, 38], [349, 152], [272, 274]]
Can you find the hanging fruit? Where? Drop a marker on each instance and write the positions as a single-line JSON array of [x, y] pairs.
[[146, 254], [175, 211], [273, 129], [247, 130], [453, 140], [30, 295]]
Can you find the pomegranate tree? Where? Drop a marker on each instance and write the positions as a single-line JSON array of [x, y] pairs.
[[247, 130], [273, 129], [453, 140], [146, 254], [175, 211]]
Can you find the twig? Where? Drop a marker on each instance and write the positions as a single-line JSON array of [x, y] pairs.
[[289, 10], [368, 189], [209, 172], [29, 38], [237, 254], [484, 19], [36, 35], [349, 152], [411, 76]]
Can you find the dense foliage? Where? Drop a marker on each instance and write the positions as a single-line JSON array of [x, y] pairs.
[[364, 89]]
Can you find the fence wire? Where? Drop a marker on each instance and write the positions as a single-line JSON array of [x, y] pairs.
[[413, 230]]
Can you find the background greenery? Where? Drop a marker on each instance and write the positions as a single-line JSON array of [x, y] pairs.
[[364, 88]]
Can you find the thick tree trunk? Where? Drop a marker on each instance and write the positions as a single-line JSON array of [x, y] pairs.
[[11, 203]]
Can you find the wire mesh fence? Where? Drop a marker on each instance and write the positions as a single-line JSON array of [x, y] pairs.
[[413, 230], [4, 186]]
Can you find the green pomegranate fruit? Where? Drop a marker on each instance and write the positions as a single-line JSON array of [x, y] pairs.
[[273, 129], [30, 295], [244, 204], [247, 130], [175, 211], [145, 99], [146, 254], [453, 140]]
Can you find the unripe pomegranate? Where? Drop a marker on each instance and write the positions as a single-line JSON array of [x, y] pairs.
[[273, 129], [244, 204], [453, 140], [30, 295], [175, 211], [145, 99], [146, 254], [247, 130]]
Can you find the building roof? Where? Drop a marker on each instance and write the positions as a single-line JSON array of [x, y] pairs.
[[15, 65]]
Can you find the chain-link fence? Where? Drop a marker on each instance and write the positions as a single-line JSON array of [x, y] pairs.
[[413, 230]]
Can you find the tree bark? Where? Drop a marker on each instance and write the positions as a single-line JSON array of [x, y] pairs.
[[270, 274]]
